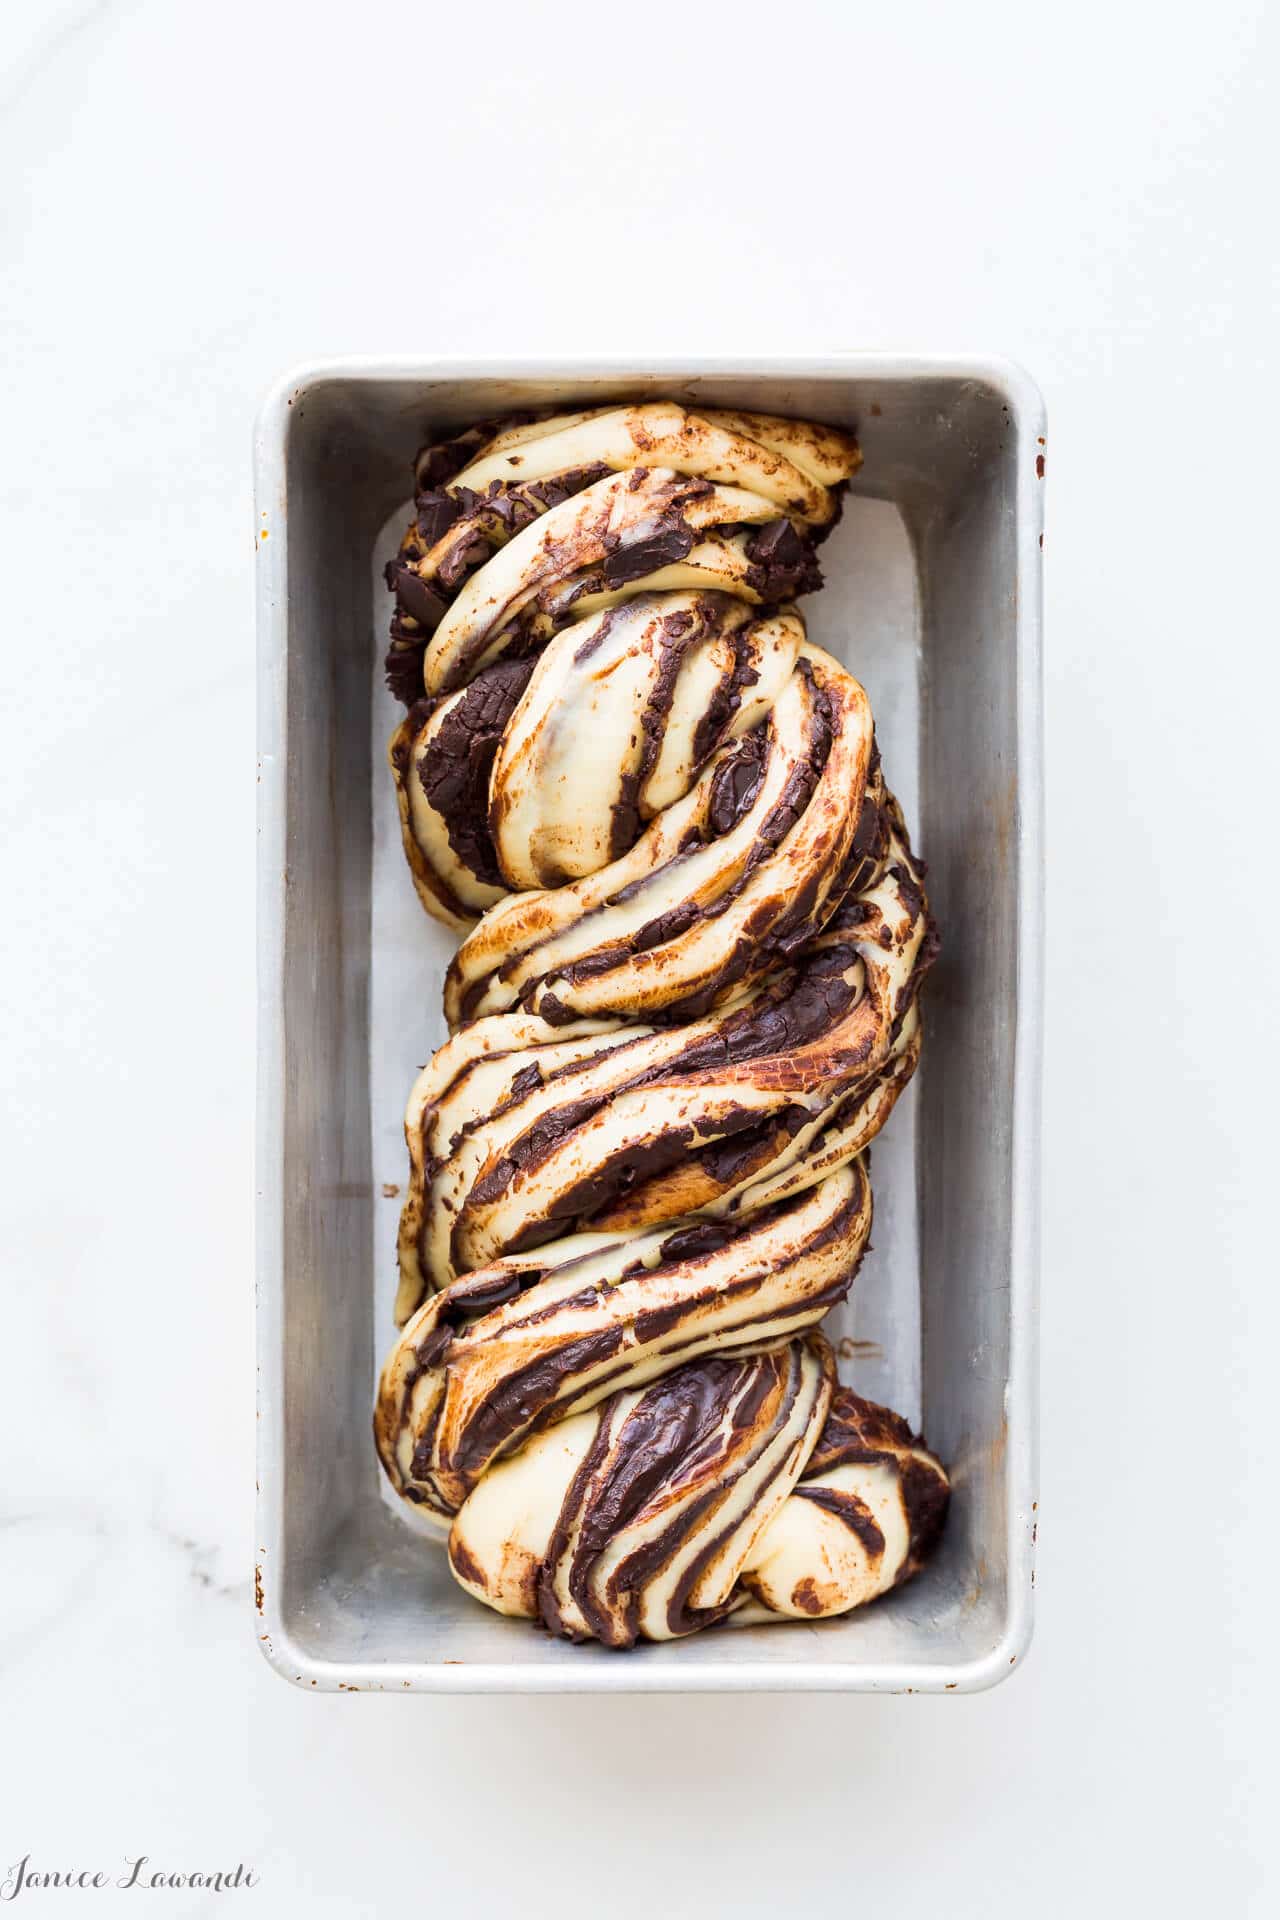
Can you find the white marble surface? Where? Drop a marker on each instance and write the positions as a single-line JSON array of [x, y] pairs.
[[195, 197]]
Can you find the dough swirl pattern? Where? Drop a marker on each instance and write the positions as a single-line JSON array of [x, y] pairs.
[[685, 1000]]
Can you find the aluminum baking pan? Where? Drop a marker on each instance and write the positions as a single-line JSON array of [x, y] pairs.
[[933, 598]]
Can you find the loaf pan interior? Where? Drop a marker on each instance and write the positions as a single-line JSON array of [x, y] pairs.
[[349, 1597]]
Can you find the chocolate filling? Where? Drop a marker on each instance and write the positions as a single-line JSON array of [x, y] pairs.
[[858, 1430], [672, 541], [736, 782], [679, 1418], [671, 1449], [855, 1514], [437, 463], [783, 562], [793, 1014], [403, 663], [455, 769], [678, 632], [514, 1403], [725, 701], [926, 1497], [771, 935], [482, 523]]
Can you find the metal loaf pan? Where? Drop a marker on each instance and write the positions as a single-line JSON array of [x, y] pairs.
[[946, 636]]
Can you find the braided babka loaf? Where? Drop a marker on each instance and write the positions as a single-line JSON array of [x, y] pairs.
[[695, 934]]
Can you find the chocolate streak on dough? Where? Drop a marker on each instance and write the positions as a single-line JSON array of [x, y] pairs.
[[514, 1405], [672, 541], [855, 1514], [674, 1429], [440, 460], [679, 1618], [524, 1402], [504, 509], [782, 557], [763, 945], [734, 787], [814, 1000], [676, 632], [783, 562], [455, 770], [433, 467], [495, 516], [725, 701], [546, 605], [859, 1431]]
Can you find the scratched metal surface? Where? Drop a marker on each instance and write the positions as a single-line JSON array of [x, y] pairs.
[[932, 597]]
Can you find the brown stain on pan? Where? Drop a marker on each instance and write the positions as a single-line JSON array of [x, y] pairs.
[[258, 1598], [974, 1594], [851, 1349], [1004, 821]]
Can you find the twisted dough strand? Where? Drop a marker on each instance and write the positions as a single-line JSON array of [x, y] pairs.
[[679, 1506], [685, 1002]]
